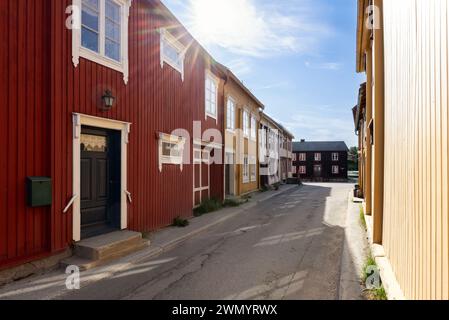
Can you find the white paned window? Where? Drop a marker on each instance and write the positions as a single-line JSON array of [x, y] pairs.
[[230, 115], [246, 123], [245, 169], [211, 95], [302, 170], [253, 128], [172, 52], [335, 156], [294, 157], [335, 169], [317, 156], [171, 150], [102, 35], [302, 157]]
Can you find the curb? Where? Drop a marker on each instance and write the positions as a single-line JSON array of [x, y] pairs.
[[389, 280]]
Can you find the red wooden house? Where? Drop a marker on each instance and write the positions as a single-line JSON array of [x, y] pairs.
[[92, 104]]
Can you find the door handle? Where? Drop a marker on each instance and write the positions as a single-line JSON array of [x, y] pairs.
[[128, 194], [70, 203]]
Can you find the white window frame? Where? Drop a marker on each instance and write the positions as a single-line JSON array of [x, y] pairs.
[[246, 123], [245, 169], [79, 51], [253, 169], [230, 114], [335, 156], [302, 170], [167, 37], [335, 170], [302, 156], [214, 79], [317, 156], [171, 160], [253, 127]]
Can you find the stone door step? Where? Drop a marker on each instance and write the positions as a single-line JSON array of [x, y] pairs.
[[92, 252]]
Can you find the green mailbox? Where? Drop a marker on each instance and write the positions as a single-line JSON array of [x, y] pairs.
[[39, 191]]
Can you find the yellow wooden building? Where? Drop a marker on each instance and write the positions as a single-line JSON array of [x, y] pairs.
[[402, 46], [242, 117]]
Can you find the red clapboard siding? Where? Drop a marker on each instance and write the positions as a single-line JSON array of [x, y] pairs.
[[24, 126], [42, 89]]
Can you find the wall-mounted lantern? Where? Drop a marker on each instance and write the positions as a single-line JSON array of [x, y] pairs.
[[108, 100]]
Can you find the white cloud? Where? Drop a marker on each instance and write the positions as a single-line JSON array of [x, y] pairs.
[[334, 66], [240, 66], [252, 28]]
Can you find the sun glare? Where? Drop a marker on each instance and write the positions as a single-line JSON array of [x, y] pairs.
[[217, 20]]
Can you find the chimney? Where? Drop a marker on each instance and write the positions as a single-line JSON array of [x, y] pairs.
[[303, 140]]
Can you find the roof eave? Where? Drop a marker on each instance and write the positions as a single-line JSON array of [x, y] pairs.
[[363, 35]]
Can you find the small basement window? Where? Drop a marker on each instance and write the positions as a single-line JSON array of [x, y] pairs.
[[171, 149], [172, 52]]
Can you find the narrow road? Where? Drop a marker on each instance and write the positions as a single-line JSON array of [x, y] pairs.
[[288, 247]]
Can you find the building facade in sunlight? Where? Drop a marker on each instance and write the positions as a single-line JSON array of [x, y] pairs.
[[242, 117], [402, 123], [119, 120]]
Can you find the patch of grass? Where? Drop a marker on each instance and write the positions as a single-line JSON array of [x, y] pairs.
[[375, 293], [368, 262], [264, 189], [379, 294], [180, 222], [207, 206], [276, 186], [231, 203], [362, 218]]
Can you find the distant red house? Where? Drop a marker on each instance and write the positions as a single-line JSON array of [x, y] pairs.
[[110, 168]]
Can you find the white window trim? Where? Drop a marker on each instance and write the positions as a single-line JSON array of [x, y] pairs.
[[335, 156], [253, 163], [125, 128], [167, 36], [337, 171], [251, 118], [171, 160], [317, 158], [246, 129], [216, 81], [300, 171], [245, 168], [79, 51], [232, 129]]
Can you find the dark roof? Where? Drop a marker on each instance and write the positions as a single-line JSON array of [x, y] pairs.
[[311, 146]]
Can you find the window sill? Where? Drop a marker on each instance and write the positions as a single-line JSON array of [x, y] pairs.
[[174, 66], [210, 115], [102, 60]]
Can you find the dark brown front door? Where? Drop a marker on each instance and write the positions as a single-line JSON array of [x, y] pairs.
[[317, 171], [100, 181]]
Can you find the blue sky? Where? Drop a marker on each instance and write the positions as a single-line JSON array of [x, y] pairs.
[[296, 56]]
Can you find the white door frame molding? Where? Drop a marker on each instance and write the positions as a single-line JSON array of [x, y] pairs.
[[125, 128]]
